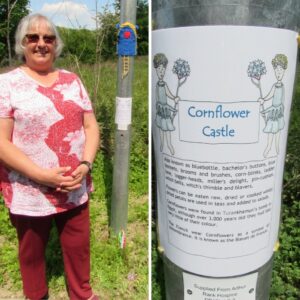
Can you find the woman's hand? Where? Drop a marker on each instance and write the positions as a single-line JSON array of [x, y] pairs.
[[55, 177], [77, 176], [92, 135]]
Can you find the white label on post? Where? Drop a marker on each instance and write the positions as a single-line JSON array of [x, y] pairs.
[[220, 113], [123, 112], [200, 288]]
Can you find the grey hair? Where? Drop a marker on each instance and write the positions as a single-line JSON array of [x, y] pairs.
[[23, 27]]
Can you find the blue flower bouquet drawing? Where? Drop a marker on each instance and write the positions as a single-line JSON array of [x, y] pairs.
[[256, 69], [182, 69]]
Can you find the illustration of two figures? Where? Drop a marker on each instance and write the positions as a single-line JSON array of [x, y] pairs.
[[273, 115], [166, 113]]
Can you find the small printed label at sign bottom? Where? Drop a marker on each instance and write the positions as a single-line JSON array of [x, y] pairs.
[[200, 288]]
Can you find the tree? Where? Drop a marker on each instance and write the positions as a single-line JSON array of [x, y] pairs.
[[107, 32], [142, 22], [10, 8], [11, 12], [83, 50]]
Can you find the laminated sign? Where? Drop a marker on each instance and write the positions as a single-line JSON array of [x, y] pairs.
[[220, 113]]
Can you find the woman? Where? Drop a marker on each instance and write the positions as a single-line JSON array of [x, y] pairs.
[[164, 111], [274, 114], [48, 140]]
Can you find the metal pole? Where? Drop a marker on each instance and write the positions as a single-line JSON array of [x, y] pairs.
[[119, 204], [268, 13]]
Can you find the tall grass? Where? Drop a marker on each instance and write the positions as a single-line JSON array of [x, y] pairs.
[[116, 273], [286, 271]]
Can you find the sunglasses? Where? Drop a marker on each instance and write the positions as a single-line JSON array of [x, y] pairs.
[[34, 38]]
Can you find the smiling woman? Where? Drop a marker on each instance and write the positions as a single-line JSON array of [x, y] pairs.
[[38, 44], [48, 140]]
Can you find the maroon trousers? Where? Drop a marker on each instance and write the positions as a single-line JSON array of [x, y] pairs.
[[74, 233]]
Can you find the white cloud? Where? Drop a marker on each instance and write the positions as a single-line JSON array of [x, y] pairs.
[[69, 14]]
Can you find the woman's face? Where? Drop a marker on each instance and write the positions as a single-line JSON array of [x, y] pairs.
[[160, 71], [279, 72], [39, 51]]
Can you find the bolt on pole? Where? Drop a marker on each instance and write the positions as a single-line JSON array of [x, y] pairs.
[[119, 203], [201, 48]]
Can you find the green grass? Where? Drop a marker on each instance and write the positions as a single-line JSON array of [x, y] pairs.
[[116, 273], [286, 271]]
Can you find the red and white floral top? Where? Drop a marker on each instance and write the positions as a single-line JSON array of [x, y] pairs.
[[48, 128]]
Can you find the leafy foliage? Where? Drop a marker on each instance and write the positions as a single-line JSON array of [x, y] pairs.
[[19, 11], [79, 43], [142, 22], [286, 271], [108, 33]]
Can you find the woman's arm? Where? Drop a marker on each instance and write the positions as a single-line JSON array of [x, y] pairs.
[[15, 159], [92, 139]]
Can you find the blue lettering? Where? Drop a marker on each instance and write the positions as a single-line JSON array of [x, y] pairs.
[[217, 113], [189, 111], [224, 131], [204, 130]]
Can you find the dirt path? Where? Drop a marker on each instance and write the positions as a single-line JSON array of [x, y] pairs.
[[6, 295], [10, 295]]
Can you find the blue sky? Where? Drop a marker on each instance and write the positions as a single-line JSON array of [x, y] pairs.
[[69, 13]]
